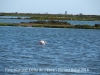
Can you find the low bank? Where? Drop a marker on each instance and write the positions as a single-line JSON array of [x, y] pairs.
[[47, 25]]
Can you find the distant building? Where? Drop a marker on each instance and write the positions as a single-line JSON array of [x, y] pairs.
[[80, 14], [65, 12]]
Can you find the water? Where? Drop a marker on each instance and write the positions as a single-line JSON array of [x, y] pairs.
[[21, 54], [15, 20], [92, 23]]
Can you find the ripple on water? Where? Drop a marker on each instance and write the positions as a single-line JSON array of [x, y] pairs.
[[65, 48]]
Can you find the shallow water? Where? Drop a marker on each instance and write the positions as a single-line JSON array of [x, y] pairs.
[[21, 54], [92, 23], [15, 20]]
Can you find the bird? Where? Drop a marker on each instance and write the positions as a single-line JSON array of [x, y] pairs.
[[42, 42]]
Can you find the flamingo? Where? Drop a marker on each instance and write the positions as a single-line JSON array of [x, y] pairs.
[[42, 42]]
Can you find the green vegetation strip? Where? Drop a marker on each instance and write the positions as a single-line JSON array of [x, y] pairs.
[[47, 16], [96, 26], [9, 24]]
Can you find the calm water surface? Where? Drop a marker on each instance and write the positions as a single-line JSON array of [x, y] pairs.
[[65, 49]]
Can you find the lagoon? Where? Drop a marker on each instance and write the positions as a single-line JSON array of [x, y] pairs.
[[65, 49]]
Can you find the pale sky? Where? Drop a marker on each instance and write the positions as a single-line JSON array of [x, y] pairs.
[[89, 7]]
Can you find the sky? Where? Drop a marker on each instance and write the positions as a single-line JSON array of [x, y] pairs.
[[87, 7]]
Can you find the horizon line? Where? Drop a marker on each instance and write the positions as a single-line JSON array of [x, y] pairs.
[[47, 13]]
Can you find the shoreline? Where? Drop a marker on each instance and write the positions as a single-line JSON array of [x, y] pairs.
[[46, 16], [96, 26]]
